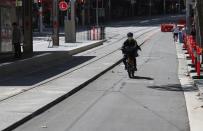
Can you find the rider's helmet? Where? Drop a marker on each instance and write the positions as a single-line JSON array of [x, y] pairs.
[[130, 34]]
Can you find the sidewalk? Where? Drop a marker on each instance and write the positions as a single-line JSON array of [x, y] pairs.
[[193, 100], [198, 82]]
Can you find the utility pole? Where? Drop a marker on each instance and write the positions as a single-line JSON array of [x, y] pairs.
[[40, 9], [55, 11], [188, 12], [109, 4], [164, 7], [179, 7], [97, 12], [133, 6], [27, 26], [40, 20], [150, 7], [83, 14], [70, 31]]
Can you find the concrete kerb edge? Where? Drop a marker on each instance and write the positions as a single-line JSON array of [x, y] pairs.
[[189, 69], [88, 47], [63, 97], [180, 77]]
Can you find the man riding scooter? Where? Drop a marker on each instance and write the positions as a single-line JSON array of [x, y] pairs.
[[130, 47]]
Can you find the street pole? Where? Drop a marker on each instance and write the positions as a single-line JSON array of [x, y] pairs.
[[97, 13], [27, 26], [55, 36], [188, 12], [179, 7], [70, 29], [164, 7], [40, 20], [109, 9], [83, 15], [132, 4], [150, 7]]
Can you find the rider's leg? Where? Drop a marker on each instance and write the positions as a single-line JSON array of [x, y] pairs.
[[135, 63], [124, 61]]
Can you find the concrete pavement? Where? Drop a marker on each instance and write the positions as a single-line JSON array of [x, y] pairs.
[[36, 97], [38, 61], [152, 101]]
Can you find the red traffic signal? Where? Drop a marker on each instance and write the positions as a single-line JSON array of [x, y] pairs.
[[63, 6]]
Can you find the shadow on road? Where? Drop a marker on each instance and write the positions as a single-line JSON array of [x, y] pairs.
[[173, 87], [142, 78], [39, 72]]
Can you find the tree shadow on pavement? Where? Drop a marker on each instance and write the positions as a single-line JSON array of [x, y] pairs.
[[173, 87], [142, 78]]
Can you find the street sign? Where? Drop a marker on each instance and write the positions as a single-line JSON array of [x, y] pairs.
[[63, 6]]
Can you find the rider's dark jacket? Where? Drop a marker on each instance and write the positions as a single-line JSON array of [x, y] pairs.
[[130, 47]]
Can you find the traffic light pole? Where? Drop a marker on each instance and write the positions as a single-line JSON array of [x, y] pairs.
[[55, 36], [40, 20], [70, 31], [164, 7]]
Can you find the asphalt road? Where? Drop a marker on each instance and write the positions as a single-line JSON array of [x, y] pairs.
[[152, 101]]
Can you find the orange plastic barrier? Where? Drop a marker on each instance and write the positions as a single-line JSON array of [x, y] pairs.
[[194, 51], [166, 27]]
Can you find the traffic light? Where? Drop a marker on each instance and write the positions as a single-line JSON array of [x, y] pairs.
[[39, 2]]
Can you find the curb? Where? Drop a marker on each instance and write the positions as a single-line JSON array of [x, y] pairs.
[[197, 82], [84, 48]]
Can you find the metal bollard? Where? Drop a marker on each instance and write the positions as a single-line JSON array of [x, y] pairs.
[[102, 32], [93, 29], [97, 34], [89, 33]]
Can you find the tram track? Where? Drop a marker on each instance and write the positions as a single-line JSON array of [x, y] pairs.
[[71, 92], [79, 67]]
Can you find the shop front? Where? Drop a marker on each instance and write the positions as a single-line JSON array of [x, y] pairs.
[[7, 17]]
